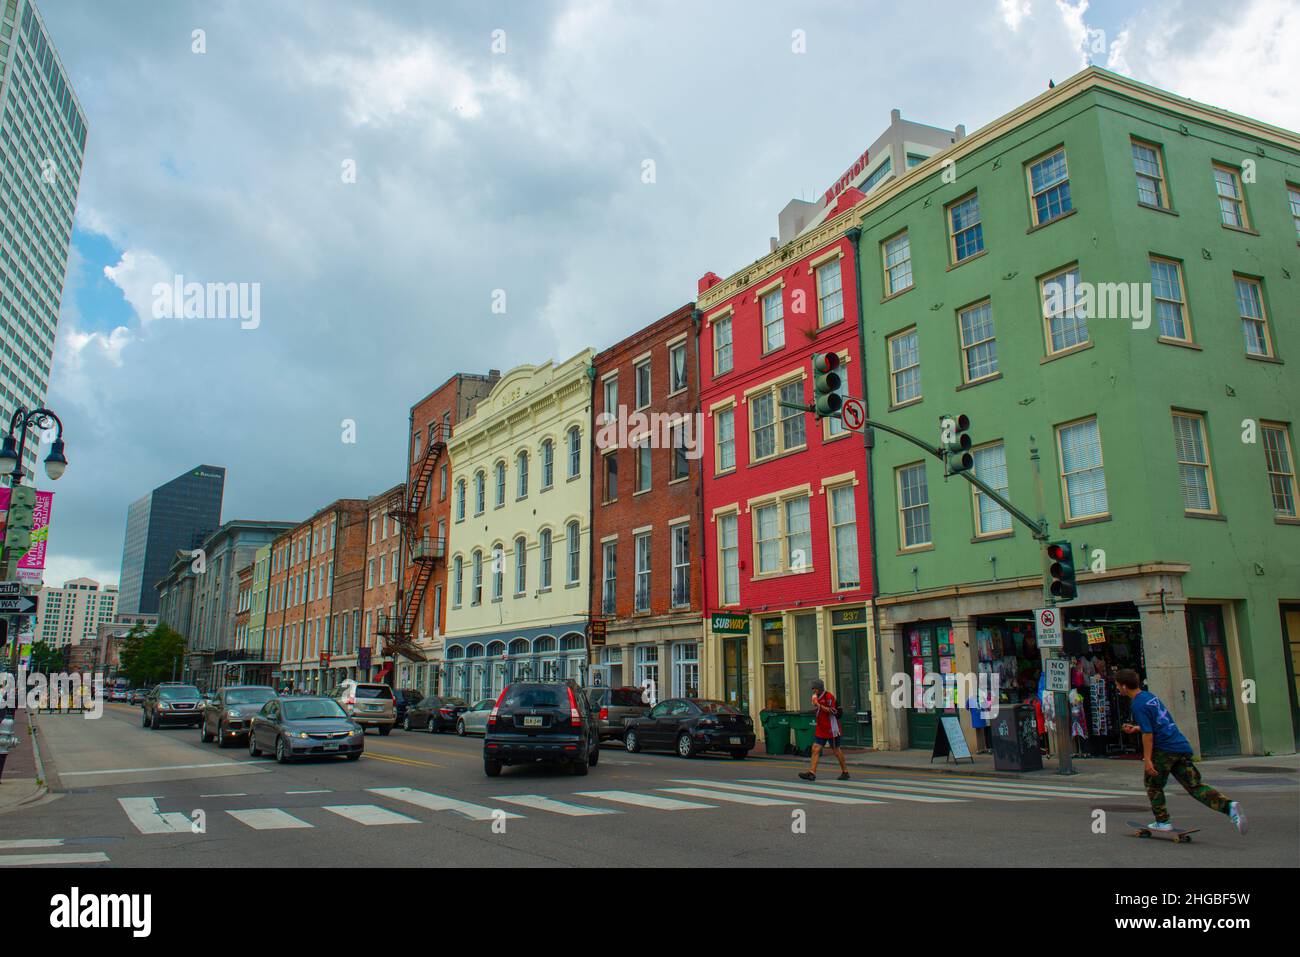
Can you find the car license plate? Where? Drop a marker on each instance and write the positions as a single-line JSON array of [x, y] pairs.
[[532, 722], [734, 740], [332, 747]]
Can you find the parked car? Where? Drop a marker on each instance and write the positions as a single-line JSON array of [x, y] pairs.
[[136, 695], [403, 700], [614, 706], [171, 703], [229, 714], [370, 705], [118, 694], [474, 719], [541, 722], [305, 726], [690, 726], [434, 713]]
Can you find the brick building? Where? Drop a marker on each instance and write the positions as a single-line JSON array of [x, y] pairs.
[[381, 574], [646, 501]]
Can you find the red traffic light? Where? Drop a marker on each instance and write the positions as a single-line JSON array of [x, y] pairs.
[[1055, 552], [826, 362]]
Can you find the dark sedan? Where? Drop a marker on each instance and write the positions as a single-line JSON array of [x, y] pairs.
[[403, 700], [306, 726], [434, 713], [228, 714], [690, 726]]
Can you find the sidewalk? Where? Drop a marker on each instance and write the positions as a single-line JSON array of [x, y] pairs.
[[23, 780]]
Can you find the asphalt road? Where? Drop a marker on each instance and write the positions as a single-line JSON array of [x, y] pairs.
[[135, 797]]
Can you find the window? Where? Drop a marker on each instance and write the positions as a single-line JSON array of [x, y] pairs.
[[807, 661], [480, 493], [898, 264], [1064, 313], [1149, 166], [844, 537], [766, 439], [460, 500], [1254, 323], [725, 438], [830, 293], [1281, 468], [979, 348], [1082, 474], [647, 665], [611, 398], [681, 544], [773, 321], [991, 469], [611, 477], [643, 384], [677, 367], [1293, 194], [544, 546], [965, 230], [722, 346], [609, 578], [686, 668], [1049, 188], [904, 367], [642, 591], [643, 466], [1193, 462], [680, 467], [913, 506], [442, 489], [1167, 293], [521, 465], [1232, 207], [498, 571], [476, 582], [574, 552], [878, 174], [729, 558], [575, 452], [548, 463], [773, 663], [521, 565], [783, 536], [793, 434], [499, 473]]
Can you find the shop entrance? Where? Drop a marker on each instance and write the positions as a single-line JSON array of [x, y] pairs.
[[1216, 716], [1291, 652], [929, 651], [735, 672], [853, 685]]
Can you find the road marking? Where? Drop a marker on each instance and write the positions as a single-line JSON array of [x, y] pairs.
[[724, 796], [169, 767], [28, 860], [407, 761], [144, 814], [778, 792], [369, 814], [542, 803], [971, 791], [645, 800], [318, 791], [1015, 787], [267, 819], [436, 802], [232, 794], [30, 843], [861, 789]]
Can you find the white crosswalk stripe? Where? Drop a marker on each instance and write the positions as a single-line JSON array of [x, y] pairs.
[[973, 792], [542, 803], [777, 791], [369, 814], [268, 819], [436, 802], [859, 788], [30, 843], [144, 814], [646, 800], [1018, 787], [733, 798], [29, 860]]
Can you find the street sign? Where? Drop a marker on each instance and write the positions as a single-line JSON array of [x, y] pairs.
[[729, 623], [1058, 674], [10, 588], [853, 413], [18, 605], [1047, 624]]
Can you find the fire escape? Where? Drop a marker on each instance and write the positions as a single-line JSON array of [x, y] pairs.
[[422, 552]]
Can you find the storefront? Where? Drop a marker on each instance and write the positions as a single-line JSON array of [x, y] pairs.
[[481, 666], [851, 655], [663, 652]]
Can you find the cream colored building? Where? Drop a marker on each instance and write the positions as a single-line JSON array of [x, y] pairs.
[[72, 614], [519, 541]]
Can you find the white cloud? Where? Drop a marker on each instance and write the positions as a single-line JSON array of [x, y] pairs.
[[135, 274], [1014, 12]]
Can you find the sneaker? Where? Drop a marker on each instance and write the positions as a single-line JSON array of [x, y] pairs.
[[844, 775], [1157, 826], [1237, 816], [807, 775]]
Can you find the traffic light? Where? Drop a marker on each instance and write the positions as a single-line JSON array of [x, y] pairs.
[[1060, 555], [955, 438], [826, 384], [22, 505]]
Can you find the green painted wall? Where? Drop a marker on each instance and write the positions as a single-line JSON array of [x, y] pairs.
[[1128, 379]]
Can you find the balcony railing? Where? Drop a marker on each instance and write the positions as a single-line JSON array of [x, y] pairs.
[[388, 624], [428, 549]]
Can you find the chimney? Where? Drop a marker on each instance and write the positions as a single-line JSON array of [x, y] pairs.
[[960, 131], [895, 116], [707, 281], [771, 244]]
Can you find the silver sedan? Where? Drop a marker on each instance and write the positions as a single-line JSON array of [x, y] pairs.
[[474, 720]]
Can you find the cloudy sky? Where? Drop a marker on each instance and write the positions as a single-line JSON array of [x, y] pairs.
[[478, 169]]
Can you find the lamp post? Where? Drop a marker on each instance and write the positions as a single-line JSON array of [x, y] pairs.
[[11, 461]]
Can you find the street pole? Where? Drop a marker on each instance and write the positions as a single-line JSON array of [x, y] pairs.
[[1060, 699]]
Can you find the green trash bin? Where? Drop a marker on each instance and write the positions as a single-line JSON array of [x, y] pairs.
[[803, 726], [776, 731]]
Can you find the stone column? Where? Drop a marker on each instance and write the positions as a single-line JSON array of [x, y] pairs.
[[965, 654], [1168, 661], [889, 723]]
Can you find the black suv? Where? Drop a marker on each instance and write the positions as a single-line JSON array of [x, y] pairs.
[[541, 722], [171, 703]]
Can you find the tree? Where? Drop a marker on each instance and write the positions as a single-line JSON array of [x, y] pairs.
[[149, 657], [45, 659]]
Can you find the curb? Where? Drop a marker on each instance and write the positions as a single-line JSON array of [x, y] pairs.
[[41, 773]]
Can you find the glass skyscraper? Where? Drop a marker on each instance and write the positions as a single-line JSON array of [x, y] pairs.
[[177, 515], [42, 142]]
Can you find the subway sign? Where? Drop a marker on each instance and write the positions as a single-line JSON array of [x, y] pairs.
[[729, 623]]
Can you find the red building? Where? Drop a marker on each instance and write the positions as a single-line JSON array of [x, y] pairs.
[[785, 508]]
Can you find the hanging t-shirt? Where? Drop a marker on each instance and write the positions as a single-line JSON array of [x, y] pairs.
[[1154, 719]]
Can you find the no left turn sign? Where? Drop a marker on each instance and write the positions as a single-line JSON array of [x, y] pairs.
[[853, 413]]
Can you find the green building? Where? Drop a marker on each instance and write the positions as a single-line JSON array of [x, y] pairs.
[[1108, 275]]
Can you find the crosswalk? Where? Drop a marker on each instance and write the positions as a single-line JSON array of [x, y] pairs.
[[47, 856], [675, 795]]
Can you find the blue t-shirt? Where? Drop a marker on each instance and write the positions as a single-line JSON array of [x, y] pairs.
[[1153, 718]]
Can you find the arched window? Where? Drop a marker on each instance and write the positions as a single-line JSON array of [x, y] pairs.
[[500, 476], [548, 463], [476, 586], [457, 581], [480, 493], [521, 466], [544, 547], [575, 452], [498, 571], [574, 547], [521, 565]]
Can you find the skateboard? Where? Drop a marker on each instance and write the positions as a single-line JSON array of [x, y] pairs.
[[1181, 835]]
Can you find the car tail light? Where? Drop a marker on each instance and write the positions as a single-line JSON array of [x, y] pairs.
[[707, 723], [574, 717], [492, 718], [604, 714]]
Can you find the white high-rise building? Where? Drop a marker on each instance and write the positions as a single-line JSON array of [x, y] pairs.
[[42, 142], [72, 614]]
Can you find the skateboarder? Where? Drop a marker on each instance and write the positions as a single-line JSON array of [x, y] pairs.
[[1165, 751], [827, 731]]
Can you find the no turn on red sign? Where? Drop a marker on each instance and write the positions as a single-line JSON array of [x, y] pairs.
[[1047, 627]]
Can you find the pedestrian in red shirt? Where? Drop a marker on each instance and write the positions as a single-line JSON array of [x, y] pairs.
[[826, 734]]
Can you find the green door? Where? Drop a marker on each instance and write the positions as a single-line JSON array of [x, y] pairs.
[[735, 672], [1216, 716], [853, 685], [1291, 652], [925, 646]]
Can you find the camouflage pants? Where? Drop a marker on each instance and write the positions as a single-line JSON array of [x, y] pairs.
[[1185, 773]]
